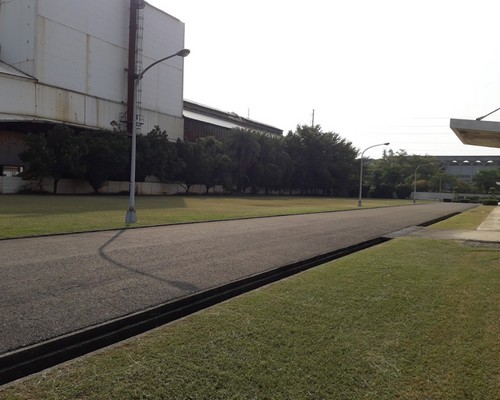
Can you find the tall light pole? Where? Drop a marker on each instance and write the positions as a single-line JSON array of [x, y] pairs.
[[361, 171], [440, 180], [131, 216], [415, 181]]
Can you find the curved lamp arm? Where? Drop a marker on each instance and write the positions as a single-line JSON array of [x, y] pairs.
[[361, 171], [180, 53]]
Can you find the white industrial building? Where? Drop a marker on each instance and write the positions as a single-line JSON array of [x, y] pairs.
[[465, 167], [65, 61]]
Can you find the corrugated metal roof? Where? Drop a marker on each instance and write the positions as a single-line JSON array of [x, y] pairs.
[[210, 120], [7, 69], [217, 117]]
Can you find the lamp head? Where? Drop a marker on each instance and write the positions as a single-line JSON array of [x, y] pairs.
[[183, 53]]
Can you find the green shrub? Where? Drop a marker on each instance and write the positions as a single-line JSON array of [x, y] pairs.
[[490, 202]]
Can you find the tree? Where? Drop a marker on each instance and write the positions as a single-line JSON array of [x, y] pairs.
[[341, 164], [323, 161], [486, 179], [272, 170], [107, 156], [215, 164], [243, 149], [157, 156], [441, 181], [57, 153], [394, 174], [190, 173]]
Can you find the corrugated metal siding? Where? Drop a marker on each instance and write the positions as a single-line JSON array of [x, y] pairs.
[[173, 125], [163, 84], [107, 20], [81, 55], [106, 75], [18, 96], [194, 129], [210, 120], [25, 99], [61, 56], [60, 105], [214, 116], [17, 34]]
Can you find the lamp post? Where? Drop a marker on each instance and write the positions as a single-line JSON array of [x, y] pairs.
[[131, 216], [361, 171], [440, 179], [415, 181]]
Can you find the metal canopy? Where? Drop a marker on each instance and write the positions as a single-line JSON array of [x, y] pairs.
[[477, 133]]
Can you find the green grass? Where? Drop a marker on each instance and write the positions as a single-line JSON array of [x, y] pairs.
[[468, 220], [409, 319], [28, 215]]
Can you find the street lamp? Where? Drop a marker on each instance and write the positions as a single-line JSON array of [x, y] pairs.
[[361, 171], [415, 181], [131, 216]]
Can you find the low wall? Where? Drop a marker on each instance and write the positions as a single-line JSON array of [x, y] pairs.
[[14, 184], [441, 196], [155, 188], [433, 196], [11, 184]]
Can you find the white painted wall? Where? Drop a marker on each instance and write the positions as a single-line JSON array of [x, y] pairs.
[[82, 46], [163, 84], [17, 34], [77, 51]]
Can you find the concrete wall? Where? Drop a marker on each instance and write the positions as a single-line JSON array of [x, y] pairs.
[[10, 185], [441, 196]]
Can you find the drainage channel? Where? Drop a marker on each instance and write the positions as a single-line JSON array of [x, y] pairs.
[[29, 360]]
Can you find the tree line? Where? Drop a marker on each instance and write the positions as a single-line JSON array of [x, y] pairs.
[[393, 175], [307, 161]]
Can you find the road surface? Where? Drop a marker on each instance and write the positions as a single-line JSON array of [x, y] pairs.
[[58, 284]]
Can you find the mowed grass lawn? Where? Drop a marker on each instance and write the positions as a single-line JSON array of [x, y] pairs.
[[28, 215], [409, 319]]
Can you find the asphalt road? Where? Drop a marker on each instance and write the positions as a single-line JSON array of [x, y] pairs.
[[53, 285]]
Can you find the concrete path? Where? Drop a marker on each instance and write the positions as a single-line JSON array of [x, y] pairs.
[[54, 285], [492, 223], [488, 231]]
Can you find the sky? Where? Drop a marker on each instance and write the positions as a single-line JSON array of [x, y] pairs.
[[372, 71]]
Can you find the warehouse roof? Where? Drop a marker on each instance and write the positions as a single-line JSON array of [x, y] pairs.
[[225, 119]]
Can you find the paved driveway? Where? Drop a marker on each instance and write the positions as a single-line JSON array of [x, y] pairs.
[[58, 284]]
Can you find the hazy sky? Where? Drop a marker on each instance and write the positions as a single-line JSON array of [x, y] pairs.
[[374, 71]]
